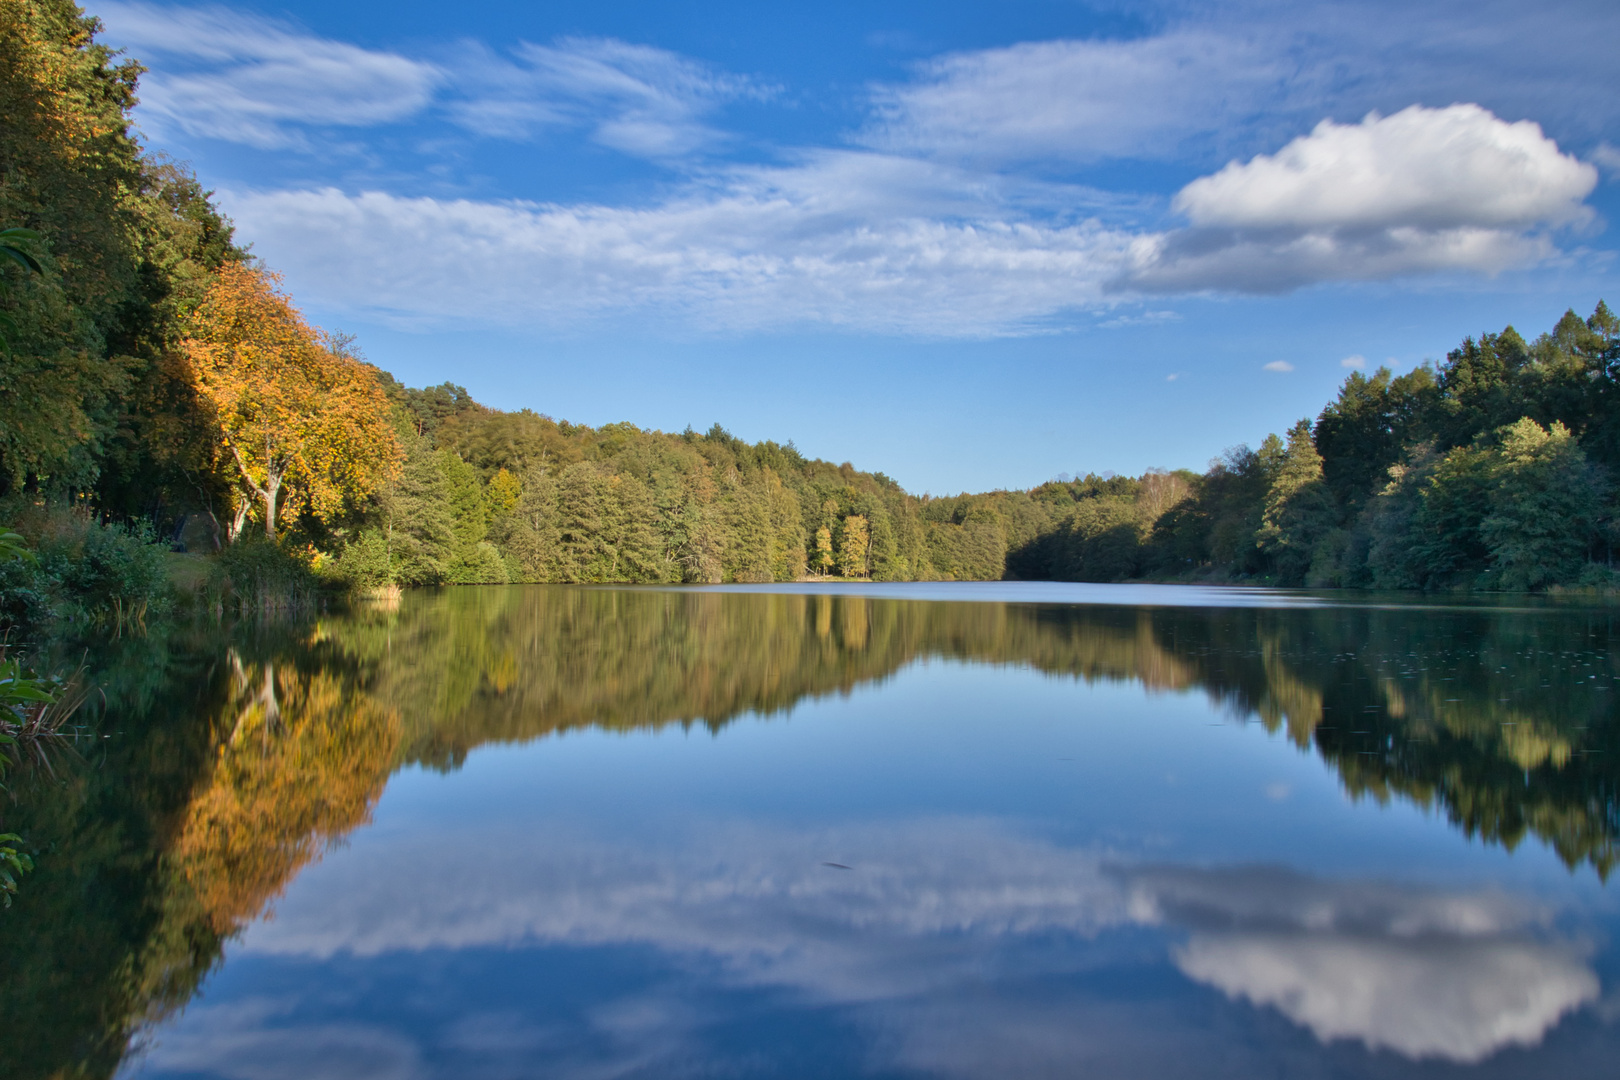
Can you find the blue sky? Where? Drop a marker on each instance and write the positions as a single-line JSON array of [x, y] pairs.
[[970, 245]]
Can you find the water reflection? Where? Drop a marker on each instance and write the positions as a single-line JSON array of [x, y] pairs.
[[239, 759], [929, 909], [1503, 719]]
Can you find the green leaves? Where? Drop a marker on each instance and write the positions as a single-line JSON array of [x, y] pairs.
[[14, 248], [13, 864], [14, 244], [13, 548]]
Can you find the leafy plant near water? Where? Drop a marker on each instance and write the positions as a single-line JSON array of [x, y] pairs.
[[259, 575], [83, 571], [33, 708]]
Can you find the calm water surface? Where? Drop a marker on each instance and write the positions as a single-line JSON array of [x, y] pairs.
[[905, 831]]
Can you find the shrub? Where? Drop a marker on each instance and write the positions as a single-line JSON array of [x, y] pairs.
[[257, 574], [107, 572], [81, 569], [365, 563]]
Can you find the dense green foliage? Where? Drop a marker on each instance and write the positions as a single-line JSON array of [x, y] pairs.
[[1490, 470], [93, 396], [493, 497], [81, 571]]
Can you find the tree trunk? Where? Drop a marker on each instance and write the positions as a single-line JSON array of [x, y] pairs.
[[238, 520], [272, 488]]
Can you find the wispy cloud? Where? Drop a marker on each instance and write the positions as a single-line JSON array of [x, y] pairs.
[[938, 226], [1357, 362], [634, 98], [240, 78], [1607, 157], [224, 75], [891, 244], [1074, 100], [820, 243], [1227, 79], [1141, 318], [1280, 366]]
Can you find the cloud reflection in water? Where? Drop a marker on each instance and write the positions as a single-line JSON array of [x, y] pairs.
[[935, 913]]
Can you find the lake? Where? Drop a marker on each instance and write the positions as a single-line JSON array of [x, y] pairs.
[[995, 830]]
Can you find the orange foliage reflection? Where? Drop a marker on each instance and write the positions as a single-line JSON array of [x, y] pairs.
[[303, 765]]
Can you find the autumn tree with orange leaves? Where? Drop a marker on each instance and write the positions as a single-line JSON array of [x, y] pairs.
[[307, 428]]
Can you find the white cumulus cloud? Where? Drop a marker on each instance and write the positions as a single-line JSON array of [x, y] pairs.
[[1424, 190], [1448, 997], [1431, 169]]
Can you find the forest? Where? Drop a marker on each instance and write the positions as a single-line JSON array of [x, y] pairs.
[[159, 381]]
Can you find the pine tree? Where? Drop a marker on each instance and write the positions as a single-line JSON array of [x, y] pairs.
[[417, 522], [1544, 505], [1298, 510]]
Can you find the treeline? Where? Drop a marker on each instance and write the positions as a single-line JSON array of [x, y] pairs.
[[156, 376], [488, 496], [1492, 469]]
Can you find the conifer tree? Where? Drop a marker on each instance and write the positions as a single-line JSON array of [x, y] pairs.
[[417, 521], [1543, 508], [1298, 509]]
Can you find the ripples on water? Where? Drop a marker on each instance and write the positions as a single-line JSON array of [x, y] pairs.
[[996, 830]]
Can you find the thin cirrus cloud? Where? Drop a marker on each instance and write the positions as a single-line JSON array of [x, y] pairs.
[[637, 99], [1075, 100], [224, 75], [759, 250], [1227, 79], [221, 74]]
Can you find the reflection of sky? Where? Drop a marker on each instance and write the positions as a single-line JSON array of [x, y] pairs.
[[1043, 879]]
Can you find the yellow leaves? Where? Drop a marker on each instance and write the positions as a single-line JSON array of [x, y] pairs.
[[290, 411], [503, 493], [305, 760]]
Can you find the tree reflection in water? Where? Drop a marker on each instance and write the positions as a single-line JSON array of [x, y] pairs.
[[239, 757]]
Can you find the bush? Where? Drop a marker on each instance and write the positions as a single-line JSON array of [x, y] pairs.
[[82, 569], [107, 572], [365, 564], [25, 595], [257, 574]]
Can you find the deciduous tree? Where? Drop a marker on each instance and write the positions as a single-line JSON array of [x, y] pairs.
[[300, 423]]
